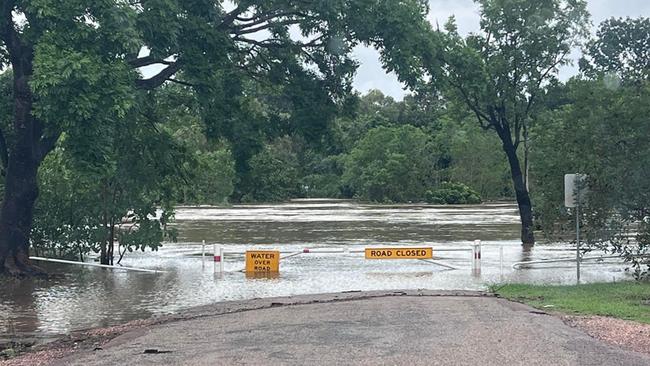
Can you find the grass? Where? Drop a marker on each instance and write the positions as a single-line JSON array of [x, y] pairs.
[[623, 300]]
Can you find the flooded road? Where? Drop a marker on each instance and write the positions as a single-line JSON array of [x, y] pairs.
[[81, 297]]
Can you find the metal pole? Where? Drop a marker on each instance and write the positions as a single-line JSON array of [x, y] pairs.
[[578, 240]]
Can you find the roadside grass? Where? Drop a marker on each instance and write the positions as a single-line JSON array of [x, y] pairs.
[[623, 300]]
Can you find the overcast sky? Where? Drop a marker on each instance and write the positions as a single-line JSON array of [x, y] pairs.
[[370, 74]]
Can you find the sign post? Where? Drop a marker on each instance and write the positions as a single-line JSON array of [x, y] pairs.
[[574, 191]]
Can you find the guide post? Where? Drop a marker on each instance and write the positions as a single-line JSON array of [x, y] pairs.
[[574, 191]]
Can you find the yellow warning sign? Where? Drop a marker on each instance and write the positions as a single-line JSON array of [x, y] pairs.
[[399, 253], [262, 261]]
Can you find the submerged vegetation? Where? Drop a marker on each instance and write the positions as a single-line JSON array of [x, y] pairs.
[[95, 152]]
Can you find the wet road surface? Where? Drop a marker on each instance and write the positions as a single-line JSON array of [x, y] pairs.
[[409, 328]]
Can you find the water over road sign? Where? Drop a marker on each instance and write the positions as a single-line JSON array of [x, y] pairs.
[[399, 253], [262, 261]]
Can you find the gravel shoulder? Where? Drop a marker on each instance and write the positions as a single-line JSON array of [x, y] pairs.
[[626, 334], [383, 327]]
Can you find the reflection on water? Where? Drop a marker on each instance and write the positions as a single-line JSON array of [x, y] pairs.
[[78, 298]]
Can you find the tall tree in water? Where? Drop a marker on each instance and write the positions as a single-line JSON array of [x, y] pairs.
[[77, 66], [500, 72]]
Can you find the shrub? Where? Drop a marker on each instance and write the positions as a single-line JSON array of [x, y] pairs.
[[452, 193]]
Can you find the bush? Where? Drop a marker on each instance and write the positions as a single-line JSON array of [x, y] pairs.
[[453, 193]]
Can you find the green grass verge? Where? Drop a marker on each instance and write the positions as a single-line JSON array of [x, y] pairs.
[[623, 300]]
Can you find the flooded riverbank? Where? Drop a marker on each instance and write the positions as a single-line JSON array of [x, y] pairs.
[[79, 298]]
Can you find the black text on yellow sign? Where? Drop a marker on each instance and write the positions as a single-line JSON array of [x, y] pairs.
[[262, 261], [399, 253]]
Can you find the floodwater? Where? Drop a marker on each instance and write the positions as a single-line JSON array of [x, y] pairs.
[[85, 297]]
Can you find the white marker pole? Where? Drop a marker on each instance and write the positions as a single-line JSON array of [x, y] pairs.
[[218, 257], [203, 253], [214, 258], [221, 259], [501, 260], [477, 253]]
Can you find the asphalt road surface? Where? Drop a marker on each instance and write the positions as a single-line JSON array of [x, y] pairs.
[[379, 328]]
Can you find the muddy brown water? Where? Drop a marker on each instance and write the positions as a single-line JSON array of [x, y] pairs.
[[78, 298]]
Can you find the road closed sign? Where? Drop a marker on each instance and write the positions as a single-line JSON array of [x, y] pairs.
[[399, 253], [262, 261]]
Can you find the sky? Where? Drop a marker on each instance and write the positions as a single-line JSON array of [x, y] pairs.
[[370, 74]]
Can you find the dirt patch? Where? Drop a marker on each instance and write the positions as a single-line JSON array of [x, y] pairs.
[[626, 334]]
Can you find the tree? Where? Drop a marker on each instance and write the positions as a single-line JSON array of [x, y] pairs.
[[75, 69], [275, 172], [601, 128], [621, 47], [391, 164], [603, 133], [123, 194], [499, 73]]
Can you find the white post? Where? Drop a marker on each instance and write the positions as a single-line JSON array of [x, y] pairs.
[[217, 251], [501, 259], [203, 253], [214, 258], [477, 253], [221, 258]]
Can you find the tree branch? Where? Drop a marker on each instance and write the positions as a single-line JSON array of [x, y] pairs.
[[261, 18], [47, 144], [158, 79], [541, 80], [241, 31], [230, 17], [181, 82], [148, 60], [477, 111]]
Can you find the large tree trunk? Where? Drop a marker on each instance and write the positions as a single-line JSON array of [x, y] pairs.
[[16, 215], [21, 186], [521, 191]]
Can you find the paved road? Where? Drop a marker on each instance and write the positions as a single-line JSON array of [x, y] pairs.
[[416, 328]]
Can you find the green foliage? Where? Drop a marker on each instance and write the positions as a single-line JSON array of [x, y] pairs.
[[620, 49], [123, 196], [275, 172], [499, 73], [623, 300], [322, 176], [213, 178], [600, 127], [602, 133], [452, 193], [210, 165], [477, 161], [391, 164]]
